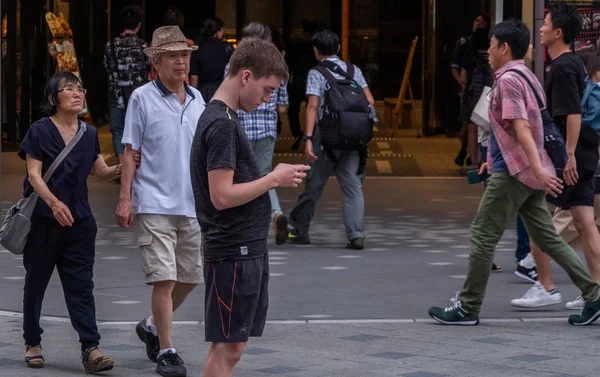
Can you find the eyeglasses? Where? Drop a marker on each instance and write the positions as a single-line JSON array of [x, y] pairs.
[[71, 90]]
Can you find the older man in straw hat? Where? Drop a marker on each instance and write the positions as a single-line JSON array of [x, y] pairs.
[[161, 120]]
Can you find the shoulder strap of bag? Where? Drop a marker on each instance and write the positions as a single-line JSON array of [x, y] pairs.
[[337, 69], [65, 152], [537, 96]]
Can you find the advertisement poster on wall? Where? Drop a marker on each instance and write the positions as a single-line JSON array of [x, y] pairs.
[[589, 38]]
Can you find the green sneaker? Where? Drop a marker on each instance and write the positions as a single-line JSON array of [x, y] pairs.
[[297, 237], [589, 314], [454, 315]]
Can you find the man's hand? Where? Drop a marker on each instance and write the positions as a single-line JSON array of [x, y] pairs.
[[483, 168], [309, 152], [124, 213], [289, 175], [137, 157], [62, 214], [570, 173], [552, 185]]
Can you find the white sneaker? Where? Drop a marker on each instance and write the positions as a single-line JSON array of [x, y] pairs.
[[577, 304], [537, 297], [528, 262]]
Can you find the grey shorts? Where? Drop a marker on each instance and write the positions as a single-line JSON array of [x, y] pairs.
[[170, 248]]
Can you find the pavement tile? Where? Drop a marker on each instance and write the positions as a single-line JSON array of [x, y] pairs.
[[122, 347], [532, 358], [392, 355], [494, 340], [257, 351], [279, 370], [363, 337]]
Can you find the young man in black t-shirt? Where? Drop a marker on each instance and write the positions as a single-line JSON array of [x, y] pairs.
[[233, 205], [564, 86]]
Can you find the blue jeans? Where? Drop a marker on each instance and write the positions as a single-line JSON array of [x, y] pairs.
[[350, 183], [117, 125], [523, 248], [263, 151]]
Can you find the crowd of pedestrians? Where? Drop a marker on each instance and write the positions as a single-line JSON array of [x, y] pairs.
[[194, 127]]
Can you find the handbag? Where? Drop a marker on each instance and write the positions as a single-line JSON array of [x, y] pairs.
[[17, 224], [481, 115]]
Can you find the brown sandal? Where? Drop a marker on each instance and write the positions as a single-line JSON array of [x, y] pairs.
[[34, 361], [100, 364]]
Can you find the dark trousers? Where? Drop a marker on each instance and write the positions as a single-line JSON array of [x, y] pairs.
[[71, 250], [296, 96]]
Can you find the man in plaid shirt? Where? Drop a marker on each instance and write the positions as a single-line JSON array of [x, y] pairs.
[[127, 67], [261, 129], [521, 176]]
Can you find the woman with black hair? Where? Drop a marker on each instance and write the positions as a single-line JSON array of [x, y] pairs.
[[63, 228], [208, 62]]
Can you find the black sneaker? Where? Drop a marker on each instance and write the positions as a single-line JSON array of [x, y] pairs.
[[299, 238], [356, 244], [280, 226], [529, 274], [460, 158], [151, 341], [589, 314], [454, 315], [170, 365]]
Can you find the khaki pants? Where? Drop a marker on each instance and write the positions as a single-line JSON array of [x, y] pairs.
[[503, 198]]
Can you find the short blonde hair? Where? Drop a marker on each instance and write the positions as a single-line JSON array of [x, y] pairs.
[[259, 56]]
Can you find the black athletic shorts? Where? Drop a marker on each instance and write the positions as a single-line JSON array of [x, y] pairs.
[[583, 192], [236, 299]]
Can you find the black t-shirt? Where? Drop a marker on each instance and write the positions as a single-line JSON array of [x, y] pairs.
[[565, 84], [234, 233], [209, 60], [44, 143]]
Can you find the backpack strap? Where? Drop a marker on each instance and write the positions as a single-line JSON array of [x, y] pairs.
[[349, 74], [537, 96], [325, 72]]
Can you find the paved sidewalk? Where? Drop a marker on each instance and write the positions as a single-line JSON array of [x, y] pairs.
[[511, 349]]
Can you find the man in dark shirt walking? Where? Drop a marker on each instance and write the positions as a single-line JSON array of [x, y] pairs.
[[233, 205], [564, 86]]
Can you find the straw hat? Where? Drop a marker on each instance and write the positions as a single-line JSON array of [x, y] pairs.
[[168, 38]]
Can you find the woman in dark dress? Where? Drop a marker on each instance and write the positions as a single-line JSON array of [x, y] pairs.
[[208, 62], [63, 229]]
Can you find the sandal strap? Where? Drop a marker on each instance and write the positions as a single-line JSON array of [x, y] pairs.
[[30, 358], [86, 354], [28, 347]]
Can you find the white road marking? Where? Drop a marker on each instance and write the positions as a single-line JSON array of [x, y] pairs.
[[440, 264], [334, 268], [9, 314], [126, 302]]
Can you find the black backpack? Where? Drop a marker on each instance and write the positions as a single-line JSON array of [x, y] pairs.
[[345, 124]]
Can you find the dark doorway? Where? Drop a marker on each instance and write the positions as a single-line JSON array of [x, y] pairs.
[[195, 13], [454, 20]]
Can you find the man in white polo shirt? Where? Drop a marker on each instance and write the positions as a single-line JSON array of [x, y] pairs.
[[161, 120]]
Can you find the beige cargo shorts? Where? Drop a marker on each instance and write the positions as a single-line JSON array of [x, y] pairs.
[[170, 248]]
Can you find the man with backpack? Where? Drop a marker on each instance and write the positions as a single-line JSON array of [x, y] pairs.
[[339, 124], [522, 173], [565, 86], [127, 68]]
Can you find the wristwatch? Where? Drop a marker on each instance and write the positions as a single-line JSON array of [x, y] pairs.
[[307, 137]]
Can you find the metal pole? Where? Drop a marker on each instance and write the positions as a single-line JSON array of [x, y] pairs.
[[345, 25], [537, 43]]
